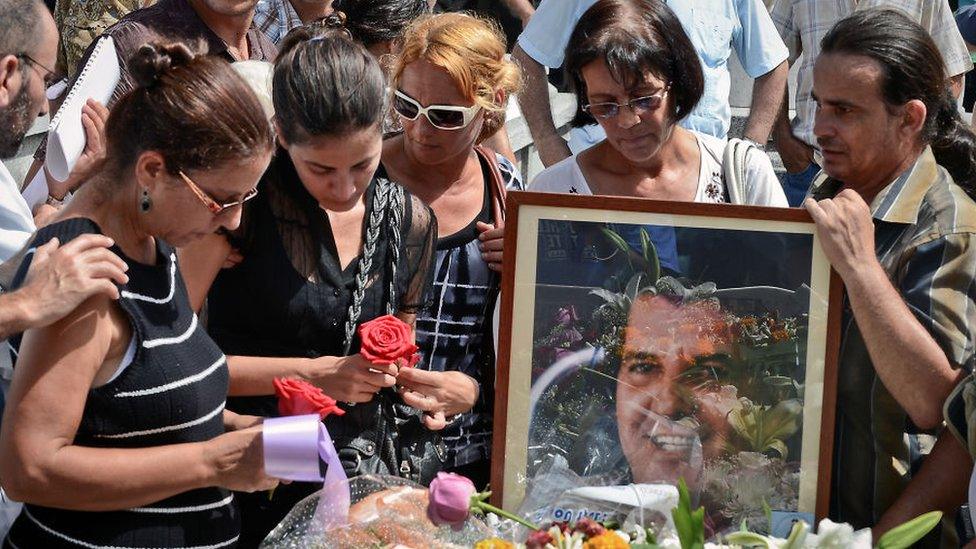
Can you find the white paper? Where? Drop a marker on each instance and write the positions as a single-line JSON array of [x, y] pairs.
[[36, 191], [97, 80]]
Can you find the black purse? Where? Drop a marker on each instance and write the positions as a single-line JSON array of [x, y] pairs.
[[385, 437]]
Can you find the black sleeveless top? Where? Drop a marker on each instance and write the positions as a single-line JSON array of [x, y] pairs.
[[172, 392]]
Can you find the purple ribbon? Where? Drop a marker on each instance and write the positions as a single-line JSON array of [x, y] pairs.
[[299, 448]]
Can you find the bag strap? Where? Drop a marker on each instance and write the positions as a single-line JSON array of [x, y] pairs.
[[496, 186], [735, 160]]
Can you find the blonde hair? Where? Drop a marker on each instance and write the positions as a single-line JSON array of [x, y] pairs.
[[472, 50]]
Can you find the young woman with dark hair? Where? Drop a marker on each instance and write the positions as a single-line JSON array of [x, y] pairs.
[[330, 243], [114, 428]]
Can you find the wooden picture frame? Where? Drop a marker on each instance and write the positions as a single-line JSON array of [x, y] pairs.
[[531, 284]]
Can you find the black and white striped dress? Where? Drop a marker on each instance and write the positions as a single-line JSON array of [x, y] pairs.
[[172, 392]]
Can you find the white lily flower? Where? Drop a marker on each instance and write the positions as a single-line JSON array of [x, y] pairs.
[[831, 535]]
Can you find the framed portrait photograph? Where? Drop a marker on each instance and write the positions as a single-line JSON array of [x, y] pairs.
[[643, 342]]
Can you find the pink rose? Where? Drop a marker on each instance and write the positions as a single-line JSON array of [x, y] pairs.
[[450, 499], [566, 316]]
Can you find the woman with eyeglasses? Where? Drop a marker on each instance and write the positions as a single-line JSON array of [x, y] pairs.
[[328, 244], [115, 432], [635, 72], [450, 86]]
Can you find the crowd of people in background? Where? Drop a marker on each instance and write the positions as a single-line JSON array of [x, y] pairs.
[[270, 174]]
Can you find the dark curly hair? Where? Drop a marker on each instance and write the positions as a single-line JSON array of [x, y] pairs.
[[193, 109]]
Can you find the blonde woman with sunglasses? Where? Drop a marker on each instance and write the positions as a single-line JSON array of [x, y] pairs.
[[449, 90]]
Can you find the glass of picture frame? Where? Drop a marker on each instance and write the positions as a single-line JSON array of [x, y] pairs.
[[643, 342]]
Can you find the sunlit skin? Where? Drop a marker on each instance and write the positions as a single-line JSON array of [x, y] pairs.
[[429, 84], [438, 166], [656, 391], [645, 152], [337, 169], [865, 143], [176, 215], [183, 217], [230, 20], [637, 135], [228, 7]]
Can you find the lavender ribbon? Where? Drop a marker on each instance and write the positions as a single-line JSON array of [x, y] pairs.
[[299, 448]]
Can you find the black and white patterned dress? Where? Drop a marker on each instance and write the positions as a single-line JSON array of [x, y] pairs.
[[172, 392], [454, 330]]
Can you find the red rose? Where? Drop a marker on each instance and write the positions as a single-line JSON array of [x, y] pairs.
[[387, 339], [297, 397], [589, 528], [539, 539]]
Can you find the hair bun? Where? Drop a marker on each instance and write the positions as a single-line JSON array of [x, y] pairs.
[[333, 24], [336, 19], [152, 61]]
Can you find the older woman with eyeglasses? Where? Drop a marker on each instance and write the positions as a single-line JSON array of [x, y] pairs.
[[115, 432], [636, 73], [450, 86]]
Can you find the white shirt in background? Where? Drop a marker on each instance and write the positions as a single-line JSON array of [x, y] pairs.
[[16, 220], [764, 188]]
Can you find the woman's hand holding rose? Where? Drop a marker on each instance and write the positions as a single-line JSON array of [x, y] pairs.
[[351, 378], [438, 394]]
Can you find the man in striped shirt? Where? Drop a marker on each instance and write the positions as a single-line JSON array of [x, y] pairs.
[[901, 232], [275, 18], [802, 24]]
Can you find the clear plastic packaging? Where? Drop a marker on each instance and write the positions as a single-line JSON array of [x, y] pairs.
[[385, 511]]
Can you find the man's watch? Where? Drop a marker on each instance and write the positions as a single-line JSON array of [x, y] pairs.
[[57, 202]]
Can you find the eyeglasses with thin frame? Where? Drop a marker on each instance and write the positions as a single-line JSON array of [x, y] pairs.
[[639, 105], [50, 76], [442, 117], [215, 207]]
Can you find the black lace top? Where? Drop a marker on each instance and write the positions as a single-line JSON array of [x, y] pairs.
[[289, 297]]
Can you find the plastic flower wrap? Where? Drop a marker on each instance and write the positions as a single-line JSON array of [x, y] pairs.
[[385, 511]]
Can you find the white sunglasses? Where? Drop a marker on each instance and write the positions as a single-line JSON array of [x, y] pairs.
[[442, 117]]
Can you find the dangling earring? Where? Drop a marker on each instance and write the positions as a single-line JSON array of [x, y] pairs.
[[146, 203]]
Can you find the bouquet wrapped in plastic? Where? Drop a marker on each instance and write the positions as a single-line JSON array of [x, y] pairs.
[[385, 511]]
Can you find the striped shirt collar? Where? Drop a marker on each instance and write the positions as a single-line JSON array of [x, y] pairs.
[[275, 18], [899, 202]]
